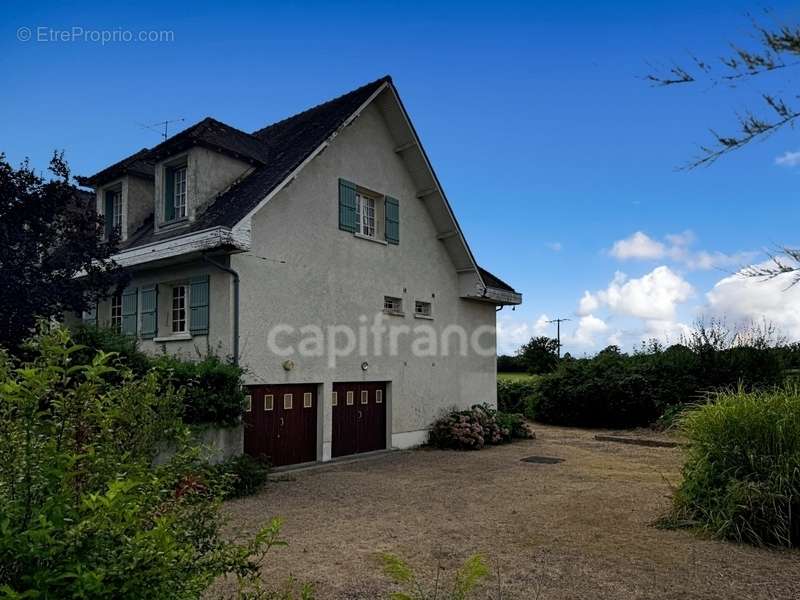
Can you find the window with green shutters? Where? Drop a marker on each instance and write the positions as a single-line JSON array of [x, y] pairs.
[[149, 327], [129, 311], [360, 209], [199, 306]]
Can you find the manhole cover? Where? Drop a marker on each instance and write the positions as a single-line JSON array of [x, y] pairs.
[[542, 460]]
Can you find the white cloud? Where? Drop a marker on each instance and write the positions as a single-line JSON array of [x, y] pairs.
[[554, 246], [513, 333], [638, 246], [588, 328], [740, 298], [587, 304], [668, 332], [653, 296], [788, 159]]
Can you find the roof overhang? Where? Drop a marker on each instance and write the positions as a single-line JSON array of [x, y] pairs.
[[190, 243]]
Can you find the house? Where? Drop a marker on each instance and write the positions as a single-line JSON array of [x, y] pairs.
[[321, 253]]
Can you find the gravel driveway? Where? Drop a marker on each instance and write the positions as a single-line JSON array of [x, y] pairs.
[[577, 529]]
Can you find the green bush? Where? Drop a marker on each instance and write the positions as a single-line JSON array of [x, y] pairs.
[[212, 392], [511, 395], [742, 475], [83, 511], [211, 388], [245, 475], [464, 581], [475, 428], [614, 389]]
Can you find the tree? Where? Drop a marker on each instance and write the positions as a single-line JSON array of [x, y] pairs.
[[776, 49], [540, 355], [53, 258]]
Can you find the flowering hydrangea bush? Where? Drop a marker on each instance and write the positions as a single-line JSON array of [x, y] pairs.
[[472, 429]]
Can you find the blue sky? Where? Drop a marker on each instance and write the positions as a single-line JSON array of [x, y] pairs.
[[548, 142]]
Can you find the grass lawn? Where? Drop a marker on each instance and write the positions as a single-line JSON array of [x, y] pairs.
[[513, 377]]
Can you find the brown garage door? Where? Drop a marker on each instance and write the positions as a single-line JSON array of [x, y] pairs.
[[359, 417], [280, 423]]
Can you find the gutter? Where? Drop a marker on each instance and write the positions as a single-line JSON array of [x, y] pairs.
[[235, 276]]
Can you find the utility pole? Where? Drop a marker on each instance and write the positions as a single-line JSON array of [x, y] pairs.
[[558, 332]]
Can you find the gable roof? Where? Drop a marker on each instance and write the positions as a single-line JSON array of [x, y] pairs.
[[135, 164], [277, 151]]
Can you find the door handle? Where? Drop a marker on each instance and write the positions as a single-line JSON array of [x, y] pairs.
[[281, 421], [359, 414]]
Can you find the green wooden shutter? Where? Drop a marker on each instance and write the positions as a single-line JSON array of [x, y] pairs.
[[90, 316], [149, 312], [198, 306], [169, 194], [347, 206], [129, 310], [392, 225], [109, 214]]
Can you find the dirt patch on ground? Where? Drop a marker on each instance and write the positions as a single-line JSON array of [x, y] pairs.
[[577, 529]]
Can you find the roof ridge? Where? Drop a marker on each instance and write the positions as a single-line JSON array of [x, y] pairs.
[[386, 78]]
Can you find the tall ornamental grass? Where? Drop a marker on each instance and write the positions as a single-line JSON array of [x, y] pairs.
[[742, 476]]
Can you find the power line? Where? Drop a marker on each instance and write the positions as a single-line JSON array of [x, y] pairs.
[[558, 332]]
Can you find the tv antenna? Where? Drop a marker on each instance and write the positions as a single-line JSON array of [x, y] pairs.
[[558, 332], [157, 127]]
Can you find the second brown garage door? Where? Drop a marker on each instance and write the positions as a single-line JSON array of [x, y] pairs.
[[359, 417]]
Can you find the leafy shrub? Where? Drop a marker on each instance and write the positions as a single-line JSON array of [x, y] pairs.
[[475, 428], [511, 395], [211, 388], [510, 364], [125, 347], [83, 511], [742, 475], [515, 424], [463, 582], [245, 475], [614, 389]]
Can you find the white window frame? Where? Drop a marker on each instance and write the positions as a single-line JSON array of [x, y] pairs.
[[393, 305], [248, 403], [116, 312], [179, 192], [307, 400], [269, 402], [366, 215], [423, 308], [116, 209], [179, 314], [334, 398]]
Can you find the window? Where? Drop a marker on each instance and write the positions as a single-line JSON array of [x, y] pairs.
[[179, 192], [116, 312], [117, 209], [248, 403], [334, 399], [365, 215], [364, 397], [287, 401], [307, 400], [392, 305], [269, 402], [378, 396], [179, 309], [422, 309], [349, 398]]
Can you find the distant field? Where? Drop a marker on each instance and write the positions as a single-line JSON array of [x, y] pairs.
[[515, 377]]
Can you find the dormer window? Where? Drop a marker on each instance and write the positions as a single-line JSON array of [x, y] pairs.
[[175, 192], [113, 210]]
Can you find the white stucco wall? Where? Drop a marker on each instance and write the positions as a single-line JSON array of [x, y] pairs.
[[303, 270]]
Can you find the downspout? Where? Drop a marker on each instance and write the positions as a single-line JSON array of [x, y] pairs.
[[235, 276]]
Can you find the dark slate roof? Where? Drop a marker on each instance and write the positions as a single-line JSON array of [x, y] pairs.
[[495, 282], [288, 143], [135, 164]]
